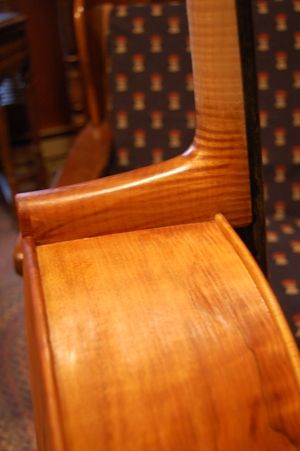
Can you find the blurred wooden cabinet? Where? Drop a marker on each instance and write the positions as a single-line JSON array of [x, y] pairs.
[[50, 89], [21, 161], [58, 92]]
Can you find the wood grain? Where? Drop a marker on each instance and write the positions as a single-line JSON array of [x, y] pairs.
[[217, 75], [163, 339], [185, 189], [211, 177], [168, 338]]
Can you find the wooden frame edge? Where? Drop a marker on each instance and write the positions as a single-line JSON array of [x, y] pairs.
[[39, 328], [265, 291]]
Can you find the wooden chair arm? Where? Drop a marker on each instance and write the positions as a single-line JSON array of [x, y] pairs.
[[182, 190], [211, 177]]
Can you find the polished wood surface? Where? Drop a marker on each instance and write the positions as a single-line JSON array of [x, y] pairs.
[[43, 386], [165, 339], [216, 66], [211, 177], [185, 189]]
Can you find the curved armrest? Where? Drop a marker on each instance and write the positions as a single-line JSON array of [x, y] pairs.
[[209, 178], [182, 190]]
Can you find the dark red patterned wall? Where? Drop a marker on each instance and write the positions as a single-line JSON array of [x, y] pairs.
[[277, 32], [151, 84]]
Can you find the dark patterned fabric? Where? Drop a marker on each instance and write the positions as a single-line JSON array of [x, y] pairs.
[[151, 84], [278, 61]]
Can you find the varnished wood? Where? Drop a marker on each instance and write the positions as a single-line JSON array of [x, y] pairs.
[[165, 339], [211, 176], [18, 255], [42, 376], [220, 117], [185, 189]]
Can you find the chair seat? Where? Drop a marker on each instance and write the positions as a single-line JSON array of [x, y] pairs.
[[167, 339]]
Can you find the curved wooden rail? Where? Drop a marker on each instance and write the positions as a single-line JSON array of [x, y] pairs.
[[166, 339], [185, 189], [211, 177]]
